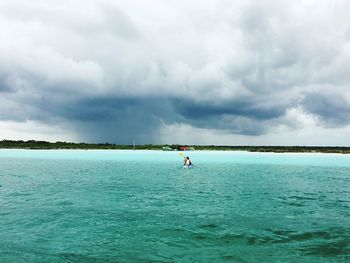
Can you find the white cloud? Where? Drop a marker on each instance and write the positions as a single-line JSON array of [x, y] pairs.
[[32, 130]]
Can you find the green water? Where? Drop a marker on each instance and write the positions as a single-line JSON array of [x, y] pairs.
[[125, 206]]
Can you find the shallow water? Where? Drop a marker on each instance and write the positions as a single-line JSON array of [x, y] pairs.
[[141, 206]]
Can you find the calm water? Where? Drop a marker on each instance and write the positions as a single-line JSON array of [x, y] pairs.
[[125, 206]]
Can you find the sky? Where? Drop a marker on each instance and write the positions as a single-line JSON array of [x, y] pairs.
[[224, 72]]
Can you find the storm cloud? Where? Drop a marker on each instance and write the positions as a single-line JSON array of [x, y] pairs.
[[158, 71]]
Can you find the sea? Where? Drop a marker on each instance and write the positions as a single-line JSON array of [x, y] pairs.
[[142, 206]]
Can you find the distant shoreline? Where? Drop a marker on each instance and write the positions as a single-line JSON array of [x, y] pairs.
[[189, 153], [43, 145]]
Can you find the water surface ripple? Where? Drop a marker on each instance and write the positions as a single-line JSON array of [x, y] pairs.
[[125, 206]]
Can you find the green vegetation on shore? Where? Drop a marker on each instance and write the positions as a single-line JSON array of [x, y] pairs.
[[32, 144]]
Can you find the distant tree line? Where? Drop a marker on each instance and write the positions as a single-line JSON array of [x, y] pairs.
[[32, 144]]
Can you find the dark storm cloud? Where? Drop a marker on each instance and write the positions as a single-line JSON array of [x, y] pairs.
[[6, 83], [193, 110], [112, 119], [238, 117], [333, 109], [4, 86]]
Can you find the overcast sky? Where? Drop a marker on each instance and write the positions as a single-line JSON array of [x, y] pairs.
[[227, 72]]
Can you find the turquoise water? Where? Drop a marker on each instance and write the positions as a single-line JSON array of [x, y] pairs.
[[141, 206]]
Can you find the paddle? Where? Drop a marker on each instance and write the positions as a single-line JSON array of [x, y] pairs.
[[183, 156]]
